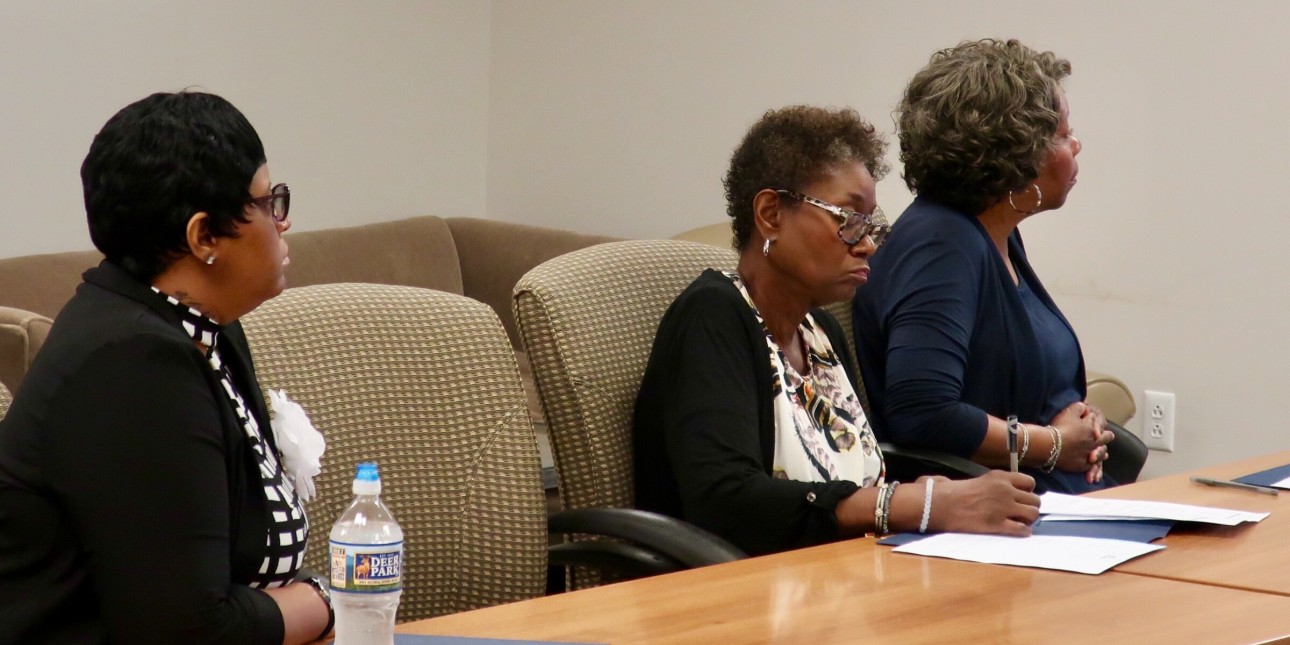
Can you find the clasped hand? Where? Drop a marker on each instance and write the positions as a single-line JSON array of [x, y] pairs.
[[1084, 440]]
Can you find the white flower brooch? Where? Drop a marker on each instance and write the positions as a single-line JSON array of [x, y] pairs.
[[299, 442]]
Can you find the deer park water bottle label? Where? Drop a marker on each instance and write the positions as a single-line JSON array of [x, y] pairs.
[[366, 568]]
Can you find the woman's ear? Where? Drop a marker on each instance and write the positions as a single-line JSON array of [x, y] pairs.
[[766, 213], [201, 242]]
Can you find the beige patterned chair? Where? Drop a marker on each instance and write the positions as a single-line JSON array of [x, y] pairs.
[[587, 320], [424, 383]]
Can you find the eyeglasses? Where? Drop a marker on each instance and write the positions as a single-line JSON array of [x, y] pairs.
[[278, 200], [854, 225]]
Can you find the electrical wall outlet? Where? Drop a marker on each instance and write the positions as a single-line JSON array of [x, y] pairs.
[[1158, 424]]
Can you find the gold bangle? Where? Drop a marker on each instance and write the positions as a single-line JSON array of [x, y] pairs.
[[1025, 443], [1057, 450]]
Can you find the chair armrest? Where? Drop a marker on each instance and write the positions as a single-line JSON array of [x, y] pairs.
[[908, 464], [1128, 455], [22, 333], [687, 545], [627, 560]]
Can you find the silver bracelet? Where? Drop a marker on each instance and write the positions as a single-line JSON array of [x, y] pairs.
[[877, 508], [927, 506], [1057, 450], [882, 508], [886, 507]]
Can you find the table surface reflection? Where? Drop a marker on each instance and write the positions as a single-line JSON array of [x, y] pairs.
[[1252, 557], [857, 591]]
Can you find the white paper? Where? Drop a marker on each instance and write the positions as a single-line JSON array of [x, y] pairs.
[[1064, 553], [1285, 483], [1059, 504]]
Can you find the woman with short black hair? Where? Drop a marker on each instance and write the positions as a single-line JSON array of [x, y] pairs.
[[142, 494]]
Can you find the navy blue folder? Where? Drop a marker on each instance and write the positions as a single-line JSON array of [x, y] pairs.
[[1267, 477], [1144, 531]]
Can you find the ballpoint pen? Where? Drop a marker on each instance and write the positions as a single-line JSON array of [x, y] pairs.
[[1223, 483], [1012, 441]]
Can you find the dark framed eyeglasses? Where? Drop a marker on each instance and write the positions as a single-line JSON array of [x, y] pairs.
[[278, 201], [853, 226]]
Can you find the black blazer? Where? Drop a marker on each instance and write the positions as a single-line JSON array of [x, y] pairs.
[[130, 499]]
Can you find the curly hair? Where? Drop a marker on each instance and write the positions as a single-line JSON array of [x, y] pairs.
[[791, 147], [978, 121]]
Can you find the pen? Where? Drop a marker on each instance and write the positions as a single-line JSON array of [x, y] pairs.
[[1012, 441], [1222, 483]]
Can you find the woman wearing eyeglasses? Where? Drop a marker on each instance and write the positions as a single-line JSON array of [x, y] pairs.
[[957, 332], [746, 422], [142, 498]]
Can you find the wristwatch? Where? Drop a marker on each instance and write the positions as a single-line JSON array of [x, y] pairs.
[[324, 592]]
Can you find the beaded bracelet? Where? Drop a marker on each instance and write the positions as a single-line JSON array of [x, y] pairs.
[[927, 505], [1057, 451]]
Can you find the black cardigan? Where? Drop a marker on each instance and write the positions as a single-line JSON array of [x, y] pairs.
[[704, 430], [131, 507]]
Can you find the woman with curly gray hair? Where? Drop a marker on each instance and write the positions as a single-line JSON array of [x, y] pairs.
[[956, 333], [746, 422]]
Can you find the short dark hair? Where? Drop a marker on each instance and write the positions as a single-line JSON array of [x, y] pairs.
[[978, 121], [156, 163], [794, 146]]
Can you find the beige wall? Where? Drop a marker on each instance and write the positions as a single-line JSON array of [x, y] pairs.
[[618, 117], [370, 110]]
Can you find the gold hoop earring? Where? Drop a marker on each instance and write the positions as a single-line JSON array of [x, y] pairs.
[[1039, 201]]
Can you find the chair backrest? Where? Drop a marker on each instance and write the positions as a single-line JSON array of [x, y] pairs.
[[424, 383], [719, 235], [588, 320], [6, 400]]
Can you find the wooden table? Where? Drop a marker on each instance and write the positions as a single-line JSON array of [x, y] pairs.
[[856, 591], [1253, 557]]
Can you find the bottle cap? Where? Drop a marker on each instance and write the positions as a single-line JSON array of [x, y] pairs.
[[367, 481]]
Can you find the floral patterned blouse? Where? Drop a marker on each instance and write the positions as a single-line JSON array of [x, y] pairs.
[[821, 432]]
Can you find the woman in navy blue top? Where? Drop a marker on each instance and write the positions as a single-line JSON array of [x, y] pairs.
[[955, 332]]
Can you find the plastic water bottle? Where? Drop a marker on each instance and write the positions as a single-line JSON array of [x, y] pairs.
[[366, 565]]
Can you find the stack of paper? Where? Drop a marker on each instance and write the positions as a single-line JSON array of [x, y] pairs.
[[1059, 507], [1091, 555]]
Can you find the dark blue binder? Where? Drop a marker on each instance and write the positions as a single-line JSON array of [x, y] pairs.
[[1144, 531], [1267, 477]]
